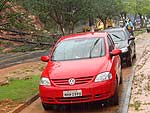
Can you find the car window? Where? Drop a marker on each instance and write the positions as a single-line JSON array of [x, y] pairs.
[[118, 35], [127, 32], [110, 43], [109, 36], [79, 48]]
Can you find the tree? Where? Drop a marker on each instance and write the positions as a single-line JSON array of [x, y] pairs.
[[65, 13], [137, 7], [3, 5], [107, 9]]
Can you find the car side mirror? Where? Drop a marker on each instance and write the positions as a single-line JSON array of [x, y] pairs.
[[45, 58], [115, 52], [131, 38]]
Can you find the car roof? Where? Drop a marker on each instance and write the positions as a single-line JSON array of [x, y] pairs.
[[84, 35], [115, 29]]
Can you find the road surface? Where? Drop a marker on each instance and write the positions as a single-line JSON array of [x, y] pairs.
[[10, 59]]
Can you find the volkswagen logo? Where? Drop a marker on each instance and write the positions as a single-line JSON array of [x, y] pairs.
[[71, 81]]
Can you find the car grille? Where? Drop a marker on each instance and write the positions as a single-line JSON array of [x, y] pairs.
[[74, 99], [79, 80]]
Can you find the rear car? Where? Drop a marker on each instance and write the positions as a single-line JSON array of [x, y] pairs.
[[81, 68], [125, 41], [148, 26]]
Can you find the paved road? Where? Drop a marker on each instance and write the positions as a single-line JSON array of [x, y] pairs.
[[10, 59]]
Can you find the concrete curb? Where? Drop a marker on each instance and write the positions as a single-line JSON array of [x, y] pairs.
[[125, 105], [27, 103]]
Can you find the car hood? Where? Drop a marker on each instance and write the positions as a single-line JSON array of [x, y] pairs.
[[77, 68], [121, 44]]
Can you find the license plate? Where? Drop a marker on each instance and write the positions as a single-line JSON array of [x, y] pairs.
[[72, 93]]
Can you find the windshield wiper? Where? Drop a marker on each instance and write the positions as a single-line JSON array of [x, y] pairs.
[[116, 36], [93, 47]]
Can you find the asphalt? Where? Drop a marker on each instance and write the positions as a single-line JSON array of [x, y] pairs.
[[10, 59]]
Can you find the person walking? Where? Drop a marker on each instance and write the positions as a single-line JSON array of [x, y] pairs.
[[130, 27]]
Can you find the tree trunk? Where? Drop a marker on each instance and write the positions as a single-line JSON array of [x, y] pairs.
[[141, 19], [91, 23], [72, 28], [62, 29]]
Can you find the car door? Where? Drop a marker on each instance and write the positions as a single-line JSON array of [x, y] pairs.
[[116, 64]]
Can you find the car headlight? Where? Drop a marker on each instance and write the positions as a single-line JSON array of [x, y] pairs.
[[103, 77], [45, 81], [124, 49]]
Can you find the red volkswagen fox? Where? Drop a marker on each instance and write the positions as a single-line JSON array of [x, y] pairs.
[[81, 68]]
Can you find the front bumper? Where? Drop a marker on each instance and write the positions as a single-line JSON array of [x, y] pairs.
[[90, 93]]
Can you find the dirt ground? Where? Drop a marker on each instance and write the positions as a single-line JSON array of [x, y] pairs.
[[140, 96], [21, 71]]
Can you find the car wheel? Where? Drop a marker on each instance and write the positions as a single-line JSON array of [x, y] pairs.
[[129, 60], [120, 77], [115, 98], [134, 56], [47, 106]]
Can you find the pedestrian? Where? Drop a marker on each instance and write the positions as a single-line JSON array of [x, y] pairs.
[[100, 24], [129, 26]]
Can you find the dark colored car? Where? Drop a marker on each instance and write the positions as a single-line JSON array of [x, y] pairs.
[[81, 68], [148, 27], [124, 41]]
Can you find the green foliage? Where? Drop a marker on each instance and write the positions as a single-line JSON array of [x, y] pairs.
[[137, 32], [107, 8], [20, 89], [24, 48], [19, 21], [137, 7], [65, 13], [2, 42], [6, 44], [3, 4]]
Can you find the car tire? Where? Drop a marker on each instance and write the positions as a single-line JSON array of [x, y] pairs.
[[120, 78], [47, 106], [129, 60], [115, 98], [148, 30], [134, 56]]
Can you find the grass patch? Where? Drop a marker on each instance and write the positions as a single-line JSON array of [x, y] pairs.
[[20, 90], [2, 42], [136, 105], [140, 31]]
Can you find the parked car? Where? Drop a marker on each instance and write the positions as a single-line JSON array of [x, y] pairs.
[[148, 27], [124, 41], [81, 68], [137, 23]]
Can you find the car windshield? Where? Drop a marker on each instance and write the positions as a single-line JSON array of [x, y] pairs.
[[74, 49], [117, 35]]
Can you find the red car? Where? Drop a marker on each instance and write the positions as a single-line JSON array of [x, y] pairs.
[[83, 67]]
